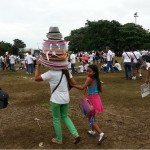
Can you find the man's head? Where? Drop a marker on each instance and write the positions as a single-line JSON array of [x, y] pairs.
[[107, 48]]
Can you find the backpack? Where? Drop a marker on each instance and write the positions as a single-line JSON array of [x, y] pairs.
[[3, 99]]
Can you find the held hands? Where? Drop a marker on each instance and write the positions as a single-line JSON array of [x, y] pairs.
[[72, 84]]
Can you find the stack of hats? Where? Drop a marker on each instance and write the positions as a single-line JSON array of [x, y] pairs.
[[54, 53]]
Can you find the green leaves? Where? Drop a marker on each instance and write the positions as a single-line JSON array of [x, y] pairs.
[[14, 49], [97, 35]]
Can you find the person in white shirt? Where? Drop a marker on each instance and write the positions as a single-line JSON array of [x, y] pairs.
[[136, 67], [109, 60], [29, 62], [105, 57], [117, 66], [127, 56], [85, 65], [12, 62], [73, 61], [81, 67], [59, 100], [91, 58], [3, 63], [103, 67]]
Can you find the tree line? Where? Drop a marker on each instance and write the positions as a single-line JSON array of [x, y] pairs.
[[96, 35], [11, 48]]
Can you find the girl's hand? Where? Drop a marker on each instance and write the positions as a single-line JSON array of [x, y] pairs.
[[73, 85]]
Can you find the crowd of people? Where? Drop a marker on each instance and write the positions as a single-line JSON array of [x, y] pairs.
[[132, 62], [12, 62]]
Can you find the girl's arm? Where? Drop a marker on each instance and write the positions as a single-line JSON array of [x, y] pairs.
[[85, 85]]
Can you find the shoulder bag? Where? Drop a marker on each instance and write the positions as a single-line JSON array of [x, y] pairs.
[[139, 62], [57, 84]]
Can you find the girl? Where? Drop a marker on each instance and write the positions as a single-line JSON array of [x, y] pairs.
[[93, 86]]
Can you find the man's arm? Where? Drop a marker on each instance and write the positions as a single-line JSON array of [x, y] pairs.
[[37, 73]]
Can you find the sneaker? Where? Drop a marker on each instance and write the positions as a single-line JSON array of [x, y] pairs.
[[140, 76], [101, 138], [91, 132], [133, 78]]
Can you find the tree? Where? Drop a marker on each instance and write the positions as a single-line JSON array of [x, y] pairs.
[[132, 35], [17, 44], [95, 36], [14, 49], [4, 47], [77, 43]]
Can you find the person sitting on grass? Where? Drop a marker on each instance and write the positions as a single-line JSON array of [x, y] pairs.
[[117, 66], [81, 67]]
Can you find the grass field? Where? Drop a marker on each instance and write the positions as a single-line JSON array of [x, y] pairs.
[[125, 120]]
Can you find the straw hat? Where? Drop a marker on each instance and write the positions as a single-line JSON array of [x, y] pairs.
[[54, 53]]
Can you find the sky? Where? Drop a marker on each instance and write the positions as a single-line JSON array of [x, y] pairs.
[[29, 20]]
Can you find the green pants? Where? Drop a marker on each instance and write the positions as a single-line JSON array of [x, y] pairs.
[[59, 111]]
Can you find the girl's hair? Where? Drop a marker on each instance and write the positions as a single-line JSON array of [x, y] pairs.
[[96, 76], [66, 72]]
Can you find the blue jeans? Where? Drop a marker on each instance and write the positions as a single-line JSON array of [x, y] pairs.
[[109, 65], [127, 68], [72, 68], [12, 67], [30, 68], [3, 66]]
